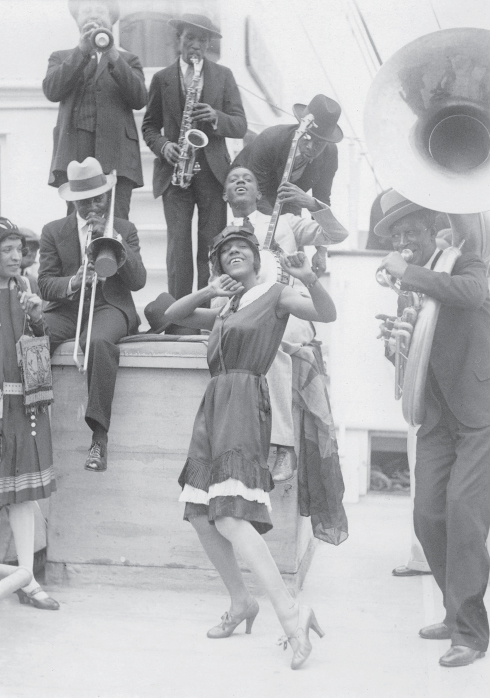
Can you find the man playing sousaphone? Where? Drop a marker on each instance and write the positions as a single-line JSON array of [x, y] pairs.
[[452, 472]]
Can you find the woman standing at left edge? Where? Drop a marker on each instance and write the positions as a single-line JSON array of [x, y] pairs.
[[226, 481], [26, 465]]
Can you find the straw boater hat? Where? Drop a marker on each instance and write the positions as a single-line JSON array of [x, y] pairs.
[[85, 180], [394, 207], [326, 112], [198, 21]]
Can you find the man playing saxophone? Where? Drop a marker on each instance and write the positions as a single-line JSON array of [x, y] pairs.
[[452, 471], [218, 112]]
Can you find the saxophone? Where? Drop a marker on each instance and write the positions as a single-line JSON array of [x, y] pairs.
[[190, 139]]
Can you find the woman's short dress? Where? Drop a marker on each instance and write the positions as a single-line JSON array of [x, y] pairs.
[[226, 471], [26, 465]]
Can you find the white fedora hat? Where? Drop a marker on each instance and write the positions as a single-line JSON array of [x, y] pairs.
[[85, 180]]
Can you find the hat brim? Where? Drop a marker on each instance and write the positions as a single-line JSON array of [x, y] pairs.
[[232, 236], [300, 110], [382, 229], [179, 24], [68, 195]]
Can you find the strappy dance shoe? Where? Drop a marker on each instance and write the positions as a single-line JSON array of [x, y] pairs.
[[229, 623], [48, 604], [299, 640]]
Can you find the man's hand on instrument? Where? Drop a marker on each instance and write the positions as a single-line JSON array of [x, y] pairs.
[[319, 261], [97, 223], [203, 112], [86, 31], [394, 264], [386, 326], [32, 305], [289, 193], [225, 286], [76, 281], [112, 55], [171, 152]]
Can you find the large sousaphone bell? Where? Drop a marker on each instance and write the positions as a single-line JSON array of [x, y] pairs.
[[427, 129]]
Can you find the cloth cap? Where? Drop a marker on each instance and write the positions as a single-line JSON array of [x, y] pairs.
[[30, 236], [326, 112], [85, 180], [394, 207], [232, 232], [9, 229], [190, 20]]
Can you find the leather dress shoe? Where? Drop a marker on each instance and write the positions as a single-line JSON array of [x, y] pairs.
[[405, 571], [459, 655], [97, 457], [438, 631], [285, 464]]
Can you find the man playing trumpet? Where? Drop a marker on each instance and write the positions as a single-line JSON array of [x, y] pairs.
[[60, 281], [97, 91], [452, 471]]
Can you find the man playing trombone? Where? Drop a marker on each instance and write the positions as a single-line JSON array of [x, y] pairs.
[[63, 244]]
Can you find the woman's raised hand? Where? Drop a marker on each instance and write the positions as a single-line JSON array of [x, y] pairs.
[[298, 265], [225, 286]]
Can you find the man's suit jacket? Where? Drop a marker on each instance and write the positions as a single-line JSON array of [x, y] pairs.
[[165, 109], [267, 155], [460, 355], [118, 90], [60, 259]]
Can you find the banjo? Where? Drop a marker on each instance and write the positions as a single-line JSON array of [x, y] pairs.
[[271, 253]]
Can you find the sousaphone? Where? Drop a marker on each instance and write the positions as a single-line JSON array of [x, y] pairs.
[[427, 129]]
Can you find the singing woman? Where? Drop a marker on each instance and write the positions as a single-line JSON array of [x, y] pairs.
[[26, 465], [226, 481]]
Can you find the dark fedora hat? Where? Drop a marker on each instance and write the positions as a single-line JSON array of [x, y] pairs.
[[199, 21], [155, 311], [326, 112], [233, 232]]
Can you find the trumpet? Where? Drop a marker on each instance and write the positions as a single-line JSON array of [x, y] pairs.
[[108, 254], [102, 39]]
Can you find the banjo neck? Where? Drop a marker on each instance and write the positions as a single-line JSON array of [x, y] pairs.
[[305, 123]]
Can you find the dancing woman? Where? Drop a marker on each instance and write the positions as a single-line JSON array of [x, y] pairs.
[[226, 481], [26, 464]]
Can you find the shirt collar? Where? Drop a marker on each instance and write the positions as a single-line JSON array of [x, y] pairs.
[[81, 224], [429, 263], [184, 65], [252, 217]]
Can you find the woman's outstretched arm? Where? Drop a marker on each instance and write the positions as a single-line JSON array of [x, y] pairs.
[[320, 307], [186, 310]]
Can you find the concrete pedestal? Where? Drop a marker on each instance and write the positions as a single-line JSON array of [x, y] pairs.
[[125, 525]]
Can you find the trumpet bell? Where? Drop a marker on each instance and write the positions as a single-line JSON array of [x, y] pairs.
[[427, 121], [108, 255], [196, 138], [102, 39]]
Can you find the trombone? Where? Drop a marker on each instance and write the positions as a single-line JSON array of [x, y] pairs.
[[108, 255]]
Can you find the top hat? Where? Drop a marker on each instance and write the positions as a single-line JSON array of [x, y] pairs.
[[199, 21], [326, 112], [394, 207], [85, 180], [233, 232]]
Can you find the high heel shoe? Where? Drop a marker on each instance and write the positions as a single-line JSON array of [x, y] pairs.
[[299, 639], [229, 622], [48, 604]]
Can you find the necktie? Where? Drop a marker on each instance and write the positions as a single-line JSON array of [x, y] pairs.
[[189, 74]]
